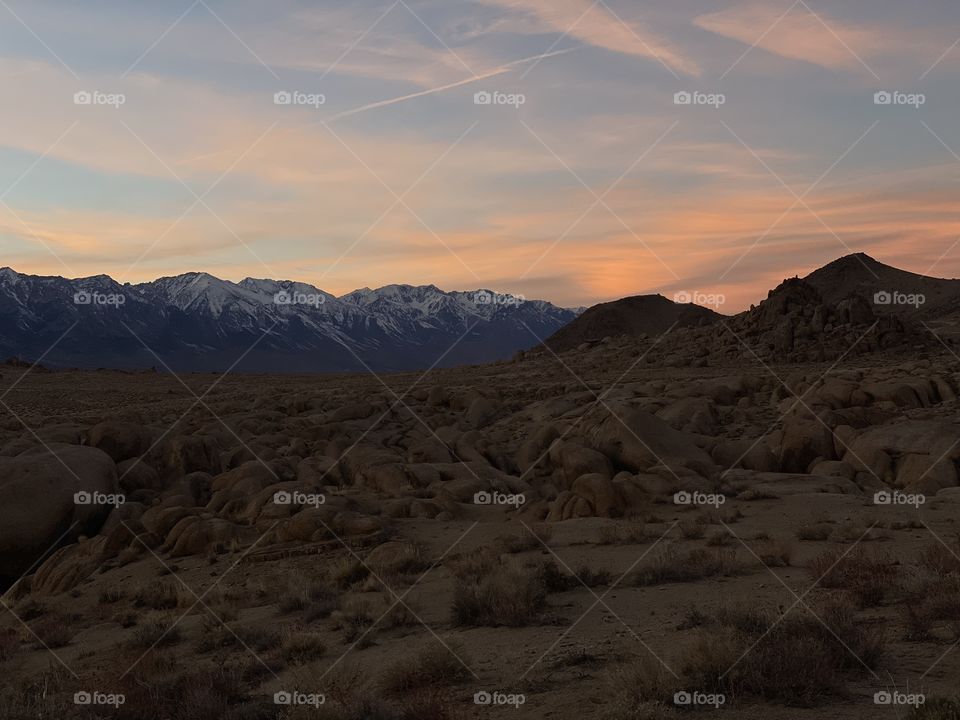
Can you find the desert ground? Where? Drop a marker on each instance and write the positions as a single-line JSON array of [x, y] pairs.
[[631, 528]]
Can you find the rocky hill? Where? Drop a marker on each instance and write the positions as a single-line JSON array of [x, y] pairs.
[[850, 307], [636, 317]]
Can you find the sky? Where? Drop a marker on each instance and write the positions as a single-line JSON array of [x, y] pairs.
[[537, 147]]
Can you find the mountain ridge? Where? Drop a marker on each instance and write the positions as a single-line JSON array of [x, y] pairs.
[[853, 290], [198, 322]]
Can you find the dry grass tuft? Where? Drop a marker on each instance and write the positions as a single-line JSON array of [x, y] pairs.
[[500, 593], [430, 667], [673, 566]]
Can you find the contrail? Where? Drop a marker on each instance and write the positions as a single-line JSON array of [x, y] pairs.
[[505, 68], [449, 86]]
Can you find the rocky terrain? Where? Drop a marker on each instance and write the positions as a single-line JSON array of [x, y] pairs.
[[752, 516]]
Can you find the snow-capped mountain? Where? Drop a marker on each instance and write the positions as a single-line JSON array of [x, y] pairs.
[[197, 322]]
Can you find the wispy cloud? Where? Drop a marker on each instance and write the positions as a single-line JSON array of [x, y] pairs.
[[798, 35], [594, 23]]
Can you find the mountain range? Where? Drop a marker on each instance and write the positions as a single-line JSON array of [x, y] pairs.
[[197, 322]]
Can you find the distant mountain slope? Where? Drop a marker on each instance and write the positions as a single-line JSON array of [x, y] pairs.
[[862, 276], [632, 316], [197, 322]]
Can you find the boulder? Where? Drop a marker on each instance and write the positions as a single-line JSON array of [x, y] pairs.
[[38, 512], [120, 440], [535, 446], [635, 440], [916, 455], [573, 460], [746, 453], [188, 453], [135, 474], [802, 441], [196, 535], [693, 414], [428, 450], [598, 490], [482, 412]]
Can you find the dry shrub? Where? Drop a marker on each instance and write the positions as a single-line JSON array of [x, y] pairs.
[[719, 516], [348, 572], [31, 609], [157, 595], [707, 662], [641, 688], [869, 578], [940, 559], [156, 632], [632, 534], [774, 553], [428, 703], [720, 538], [258, 638], [432, 666], [110, 595], [54, 631], [9, 644], [691, 529], [355, 617], [862, 530], [499, 594], [817, 531], [937, 709], [407, 562], [352, 695], [557, 580], [932, 595], [673, 566], [300, 648], [753, 494], [797, 660], [315, 599], [39, 695], [196, 695], [398, 614]]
